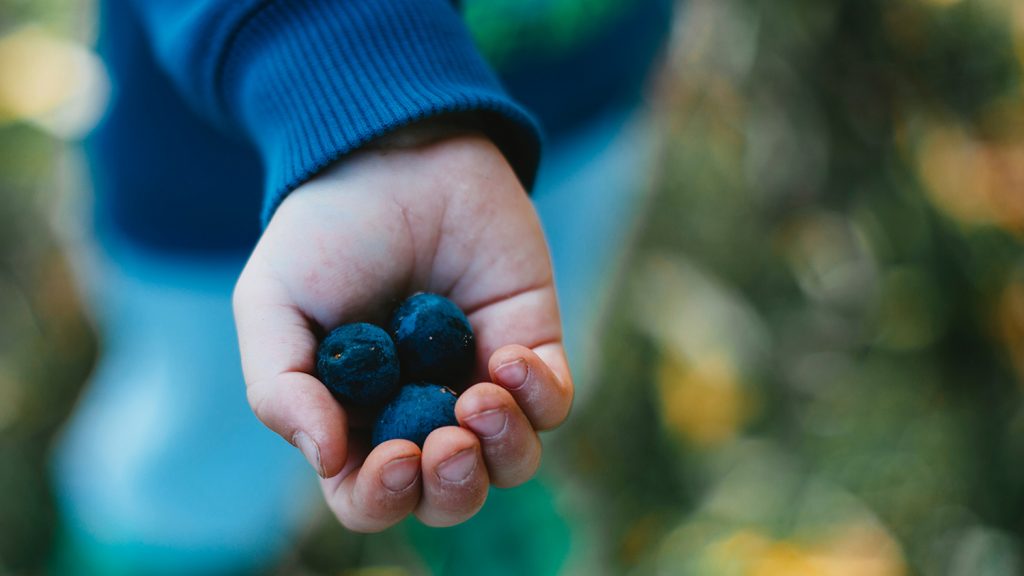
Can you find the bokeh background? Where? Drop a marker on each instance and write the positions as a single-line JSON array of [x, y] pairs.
[[813, 360]]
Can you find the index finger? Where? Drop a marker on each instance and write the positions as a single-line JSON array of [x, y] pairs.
[[520, 340]]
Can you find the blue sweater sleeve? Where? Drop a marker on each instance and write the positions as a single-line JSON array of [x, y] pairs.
[[308, 81]]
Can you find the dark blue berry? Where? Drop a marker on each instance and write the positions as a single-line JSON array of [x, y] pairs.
[[434, 340], [358, 364], [418, 410]]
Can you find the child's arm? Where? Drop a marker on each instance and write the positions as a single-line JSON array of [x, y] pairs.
[[447, 217], [309, 82]]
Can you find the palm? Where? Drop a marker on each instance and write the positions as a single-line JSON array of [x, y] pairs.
[[449, 218]]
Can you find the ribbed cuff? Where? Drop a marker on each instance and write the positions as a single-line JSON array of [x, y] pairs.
[[312, 80]]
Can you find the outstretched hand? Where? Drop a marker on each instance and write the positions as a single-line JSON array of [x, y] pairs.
[[447, 216]]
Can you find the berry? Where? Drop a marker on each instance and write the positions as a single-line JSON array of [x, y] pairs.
[[358, 364], [418, 410], [434, 340]]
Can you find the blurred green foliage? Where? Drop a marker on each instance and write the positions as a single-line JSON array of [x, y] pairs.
[[837, 223], [815, 360], [46, 343], [46, 346]]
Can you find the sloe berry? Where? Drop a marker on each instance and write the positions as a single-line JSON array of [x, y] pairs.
[[417, 410], [358, 364], [434, 340]]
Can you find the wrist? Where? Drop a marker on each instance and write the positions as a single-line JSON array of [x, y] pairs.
[[429, 131]]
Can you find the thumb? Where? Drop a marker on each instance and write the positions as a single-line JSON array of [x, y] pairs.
[[278, 347]]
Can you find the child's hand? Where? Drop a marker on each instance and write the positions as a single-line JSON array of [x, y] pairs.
[[447, 217]]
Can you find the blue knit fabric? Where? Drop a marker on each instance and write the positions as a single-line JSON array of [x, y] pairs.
[[308, 81]]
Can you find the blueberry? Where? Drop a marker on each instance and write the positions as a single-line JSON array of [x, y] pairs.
[[434, 340], [418, 409], [358, 364]]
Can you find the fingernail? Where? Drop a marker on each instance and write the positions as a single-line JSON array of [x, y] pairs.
[[398, 475], [310, 450], [512, 375], [488, 424], [458, 467]]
